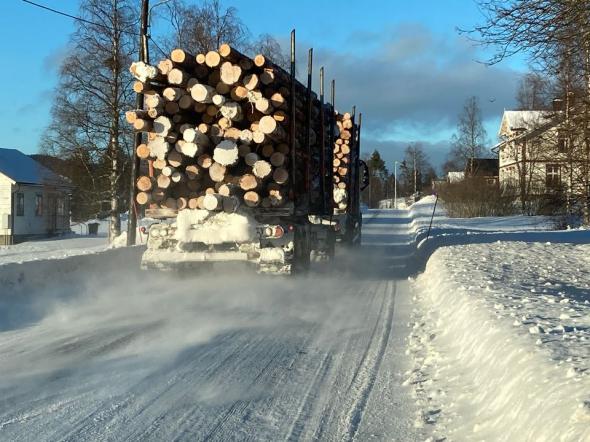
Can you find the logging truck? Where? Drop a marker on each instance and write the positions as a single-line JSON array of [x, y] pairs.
[[351, 177], [240, 162]]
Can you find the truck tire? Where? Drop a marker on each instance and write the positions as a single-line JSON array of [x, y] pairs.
[[331, 252], [301, 251]]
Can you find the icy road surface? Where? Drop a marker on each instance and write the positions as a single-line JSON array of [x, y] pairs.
[[93, 349]]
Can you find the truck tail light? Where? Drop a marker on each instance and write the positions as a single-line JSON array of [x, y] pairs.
[[274, 231]]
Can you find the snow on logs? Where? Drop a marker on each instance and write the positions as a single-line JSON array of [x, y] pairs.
[[217, 130]]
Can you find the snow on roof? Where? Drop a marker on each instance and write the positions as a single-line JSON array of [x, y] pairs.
[[454, 177], [528, 120], [21, 168]]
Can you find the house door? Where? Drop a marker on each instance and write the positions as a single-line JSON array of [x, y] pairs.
[[51, 217]]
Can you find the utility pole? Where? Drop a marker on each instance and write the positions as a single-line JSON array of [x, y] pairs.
[[135, 162], [395, 185], [415, 174]]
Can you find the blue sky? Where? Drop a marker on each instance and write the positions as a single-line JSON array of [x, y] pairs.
[[401, 62]]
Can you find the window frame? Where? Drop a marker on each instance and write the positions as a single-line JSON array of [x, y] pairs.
[[19, 204], [553, 178], [562, 142], [38, 204]]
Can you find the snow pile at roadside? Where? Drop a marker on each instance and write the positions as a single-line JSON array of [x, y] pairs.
[[501, 342], [442, 225], [54, 248], [215, 228]]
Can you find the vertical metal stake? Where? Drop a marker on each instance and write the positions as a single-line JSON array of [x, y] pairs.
[[292, 121], [135, 163], [323, 167], [308, 123]]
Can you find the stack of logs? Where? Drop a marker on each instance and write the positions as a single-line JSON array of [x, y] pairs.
[[341, 161], [217, 131]]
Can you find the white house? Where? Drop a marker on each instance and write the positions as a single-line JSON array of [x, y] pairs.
[[534, 153], [34, 201]]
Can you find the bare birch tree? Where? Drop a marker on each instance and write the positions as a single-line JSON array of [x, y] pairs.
[[93, 93], [469, 140]]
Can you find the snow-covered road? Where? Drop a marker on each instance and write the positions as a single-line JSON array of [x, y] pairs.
[[101, 351]]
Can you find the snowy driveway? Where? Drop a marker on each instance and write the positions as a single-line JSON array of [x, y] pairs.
[[105, 352]]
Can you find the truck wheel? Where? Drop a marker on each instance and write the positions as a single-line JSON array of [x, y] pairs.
[[301, 252], [331, 251]]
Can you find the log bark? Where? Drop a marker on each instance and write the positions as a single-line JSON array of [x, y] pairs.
[[162, 125], [269, 126], [250, 81], [142, 125], [230, 204], [173, 93], [213, 202], [180, 56], [251, 158], [154, 100], [186, 102], [280, 175], [277, 159], [174, 159]]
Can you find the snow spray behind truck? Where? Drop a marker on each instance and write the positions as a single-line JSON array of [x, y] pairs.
[[239, 158]]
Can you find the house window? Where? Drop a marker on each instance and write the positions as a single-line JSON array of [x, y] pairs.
[[552, 180], [561, 143], [20, 204], [38, 205]]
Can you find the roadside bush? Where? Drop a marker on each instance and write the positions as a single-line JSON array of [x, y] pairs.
[[474, 197]]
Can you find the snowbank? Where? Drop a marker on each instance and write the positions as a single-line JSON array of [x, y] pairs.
[[214, 228], [500, 342]]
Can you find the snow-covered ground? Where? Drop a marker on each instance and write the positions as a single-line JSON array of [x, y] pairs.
[[501, 341], [493, 345], [52, 248], [74, 244], [93, 349]]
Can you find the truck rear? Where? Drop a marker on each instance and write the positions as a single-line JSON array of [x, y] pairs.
[[238, 163]]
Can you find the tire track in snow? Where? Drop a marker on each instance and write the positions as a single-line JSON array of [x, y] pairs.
[[369, 366], [306, 408]]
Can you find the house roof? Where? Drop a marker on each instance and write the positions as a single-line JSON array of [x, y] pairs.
[[22, 169], [527, 120]]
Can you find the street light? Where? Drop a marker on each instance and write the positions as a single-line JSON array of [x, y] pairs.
[[395, 184]]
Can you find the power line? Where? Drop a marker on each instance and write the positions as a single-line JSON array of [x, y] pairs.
[[157, 47], [92, 23], [65, 14]]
